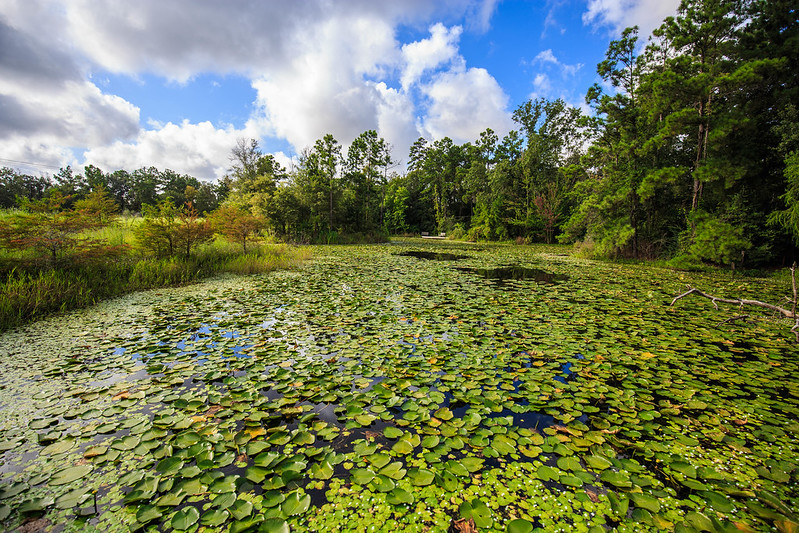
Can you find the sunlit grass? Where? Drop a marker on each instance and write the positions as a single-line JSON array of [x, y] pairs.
[[31, 288]]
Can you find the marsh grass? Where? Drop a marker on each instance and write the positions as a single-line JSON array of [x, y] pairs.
[[31, 288]]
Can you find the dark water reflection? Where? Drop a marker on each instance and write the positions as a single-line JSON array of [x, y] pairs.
[[434, 256], [516, 273]]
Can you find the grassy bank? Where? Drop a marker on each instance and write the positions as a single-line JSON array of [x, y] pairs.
[[30, 290]]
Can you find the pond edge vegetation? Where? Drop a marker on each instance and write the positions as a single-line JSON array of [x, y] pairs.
[[59, 257]]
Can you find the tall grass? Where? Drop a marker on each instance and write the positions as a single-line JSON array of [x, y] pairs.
[[31, 289]]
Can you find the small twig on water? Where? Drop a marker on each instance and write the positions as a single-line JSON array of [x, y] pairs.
[[732, 319]]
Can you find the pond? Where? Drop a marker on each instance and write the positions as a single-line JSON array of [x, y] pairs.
[[378, 390]]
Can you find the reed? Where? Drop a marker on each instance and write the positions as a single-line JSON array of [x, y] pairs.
[[30, 290]]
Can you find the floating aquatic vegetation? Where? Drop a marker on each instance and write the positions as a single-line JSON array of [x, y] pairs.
[[373, 390]]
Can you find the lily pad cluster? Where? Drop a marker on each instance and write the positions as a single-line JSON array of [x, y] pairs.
[[384, 388]]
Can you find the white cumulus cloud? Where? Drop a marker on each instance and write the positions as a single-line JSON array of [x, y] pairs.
[[317, 67], [464, 102], [619, 14], [426, 54], [201, 150]]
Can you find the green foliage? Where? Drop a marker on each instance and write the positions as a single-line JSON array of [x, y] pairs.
[[168, 230], [691, 128], [703, 118], [29, 292], [788, 218], [236, 224], [717, 241], [157, 234], [52, 231], [98, 205], [395, 204]]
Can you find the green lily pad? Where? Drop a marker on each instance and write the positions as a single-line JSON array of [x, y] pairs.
[[214, 517], [617, 479], [364, 448], [365, 420], [323, 470], [379, 460], [148, 513], [273, 498], [9, 491], [394, 471], [443, 414], [402, 447], [185, 518], [478, 511], [240, 509], [519, 525], [547, 473], [430, 441], [472, 464], [362, 476], [267, 459], [35, 505], [383, 483], [9, 444], [296, 504], [58, 447], [456, 468], [224, 484], [170, 465], [73, 498], [597, 463], [399, 496], [645, 501], [569, 463], [420, 477], [172, 498], [391, 432], [68, 475], [683, 468], [274, 525], [570, 480]]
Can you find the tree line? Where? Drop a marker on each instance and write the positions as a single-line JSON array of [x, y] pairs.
[[691, 153], [130, 190]]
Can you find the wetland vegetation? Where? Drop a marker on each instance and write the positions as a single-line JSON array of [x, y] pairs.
[[409, 385], [434, 381]]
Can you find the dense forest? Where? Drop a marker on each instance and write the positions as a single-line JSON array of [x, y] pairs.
[[691, 154]]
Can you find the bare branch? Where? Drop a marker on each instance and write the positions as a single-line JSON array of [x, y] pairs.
[[733, 319], [736, 301]]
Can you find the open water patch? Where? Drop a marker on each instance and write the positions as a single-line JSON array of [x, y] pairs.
[[434, 256], [516, 273]]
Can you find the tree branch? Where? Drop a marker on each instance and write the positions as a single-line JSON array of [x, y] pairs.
[[733, 319], [736, 301], [741, 302]]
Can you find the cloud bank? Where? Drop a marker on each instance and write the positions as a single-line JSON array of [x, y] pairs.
[[316, 68]]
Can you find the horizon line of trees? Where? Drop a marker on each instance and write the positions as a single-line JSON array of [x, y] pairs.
[[692, 153]]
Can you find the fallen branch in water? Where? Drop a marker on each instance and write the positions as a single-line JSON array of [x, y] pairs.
[[741, 302], [733, 319]]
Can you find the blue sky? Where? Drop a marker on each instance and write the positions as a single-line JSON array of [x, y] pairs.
[[174, 84]]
